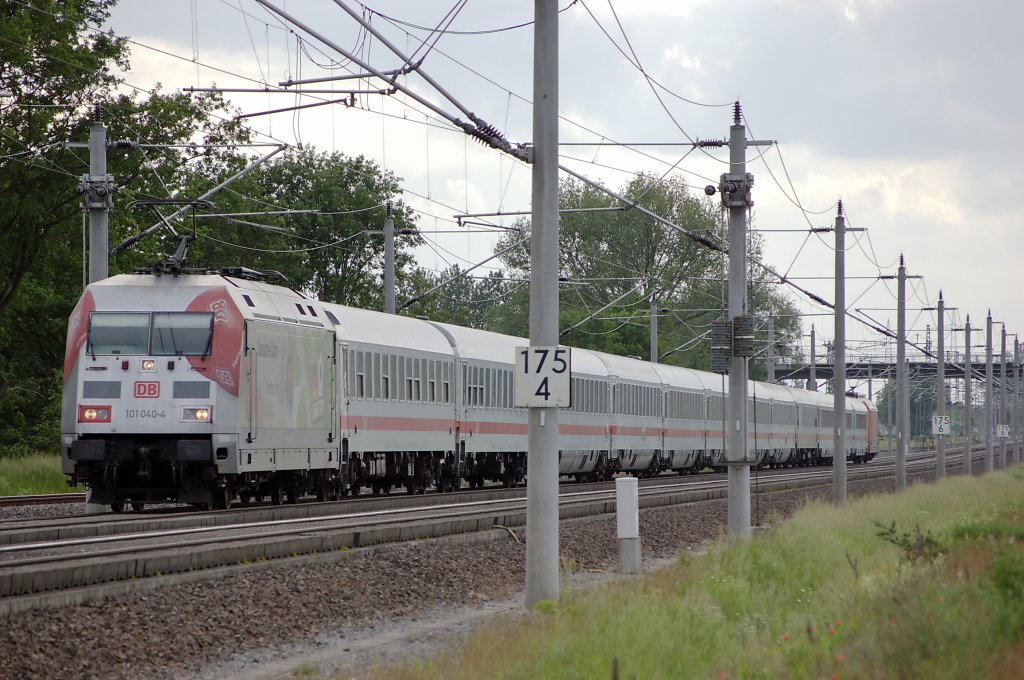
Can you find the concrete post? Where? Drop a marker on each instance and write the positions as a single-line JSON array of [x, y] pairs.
[[389, 262], [542, 438], [1004, 413], [812, 379], [902, 430], [627, 515], [989, 410], [968, 401], [940, 391], [839, 368], [736, 195]]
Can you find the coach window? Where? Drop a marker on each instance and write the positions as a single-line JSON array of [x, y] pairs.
[[360, 375], [432, 382]]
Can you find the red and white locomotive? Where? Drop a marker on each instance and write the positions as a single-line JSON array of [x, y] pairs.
[[203, 388]]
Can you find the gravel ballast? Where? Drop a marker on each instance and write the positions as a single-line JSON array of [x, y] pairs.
[[242, 621]]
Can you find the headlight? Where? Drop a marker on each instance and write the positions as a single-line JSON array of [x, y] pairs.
[[93, 414], [149, 365], [196, 414]]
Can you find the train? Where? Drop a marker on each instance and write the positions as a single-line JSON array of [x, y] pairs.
[[207, 387]]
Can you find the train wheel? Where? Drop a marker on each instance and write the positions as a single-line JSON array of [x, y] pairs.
[[138, 507], [276, 497], [222, 498], [117, 506]]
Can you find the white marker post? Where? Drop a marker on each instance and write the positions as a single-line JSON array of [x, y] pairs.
[[627, 514]]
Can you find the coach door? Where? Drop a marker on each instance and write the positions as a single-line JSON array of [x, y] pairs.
[[337, 382]]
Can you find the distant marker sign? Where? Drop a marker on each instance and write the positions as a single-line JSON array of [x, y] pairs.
[[542, 377]]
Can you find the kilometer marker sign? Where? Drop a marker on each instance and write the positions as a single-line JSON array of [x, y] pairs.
[[543, 377]]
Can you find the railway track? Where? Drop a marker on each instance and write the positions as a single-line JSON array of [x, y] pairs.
[[86, 557], [42, 499]]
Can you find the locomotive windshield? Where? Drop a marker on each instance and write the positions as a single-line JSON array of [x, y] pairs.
[[156, 334]]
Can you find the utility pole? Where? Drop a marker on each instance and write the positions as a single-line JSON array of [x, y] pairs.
[[654, 328], [736, 186], [542, 462], [1004, 413], [812, 380], [888, 411], [988, 393], [901, 378], [839, 367], [96, 190], [940, 389], [940, 393], [1016, 401], [389, 262], [902, 393], [770, 355], [968, 399]]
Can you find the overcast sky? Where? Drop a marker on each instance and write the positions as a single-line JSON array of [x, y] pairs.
[[906, 109]]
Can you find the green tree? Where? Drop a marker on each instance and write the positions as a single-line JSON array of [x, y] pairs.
[[615, 260], [332, 253], [51, 70]]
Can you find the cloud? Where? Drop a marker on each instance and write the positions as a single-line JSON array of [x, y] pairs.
[[675, 55]]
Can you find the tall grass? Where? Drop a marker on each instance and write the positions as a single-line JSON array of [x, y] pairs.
[[32, 474], [929, 583]]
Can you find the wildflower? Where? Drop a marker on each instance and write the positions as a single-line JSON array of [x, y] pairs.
[[840, 657], [831, 631], [785, 637]]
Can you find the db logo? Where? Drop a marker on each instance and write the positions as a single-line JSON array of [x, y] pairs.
[[147, 390]]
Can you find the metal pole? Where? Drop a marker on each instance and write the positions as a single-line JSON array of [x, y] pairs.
[[389, 262], [839, 368], [96, 190], [542, 465], [97, 197], [654, 329], [888, 411], [968, 399], [770, 356], [812, 380], [988, 393], [1004, 413], [940, 392], [901, 378], [736, 194], [1016, 401]]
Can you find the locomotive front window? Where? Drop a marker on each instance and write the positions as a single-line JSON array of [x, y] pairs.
[[118, 333], [157, 334], [182, 333]]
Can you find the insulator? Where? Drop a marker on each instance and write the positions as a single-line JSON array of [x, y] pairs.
[[489, 135], [721, 346], [743, 336]]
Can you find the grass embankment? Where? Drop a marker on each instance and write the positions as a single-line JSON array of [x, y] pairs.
[[926, 584], [33, 474]]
